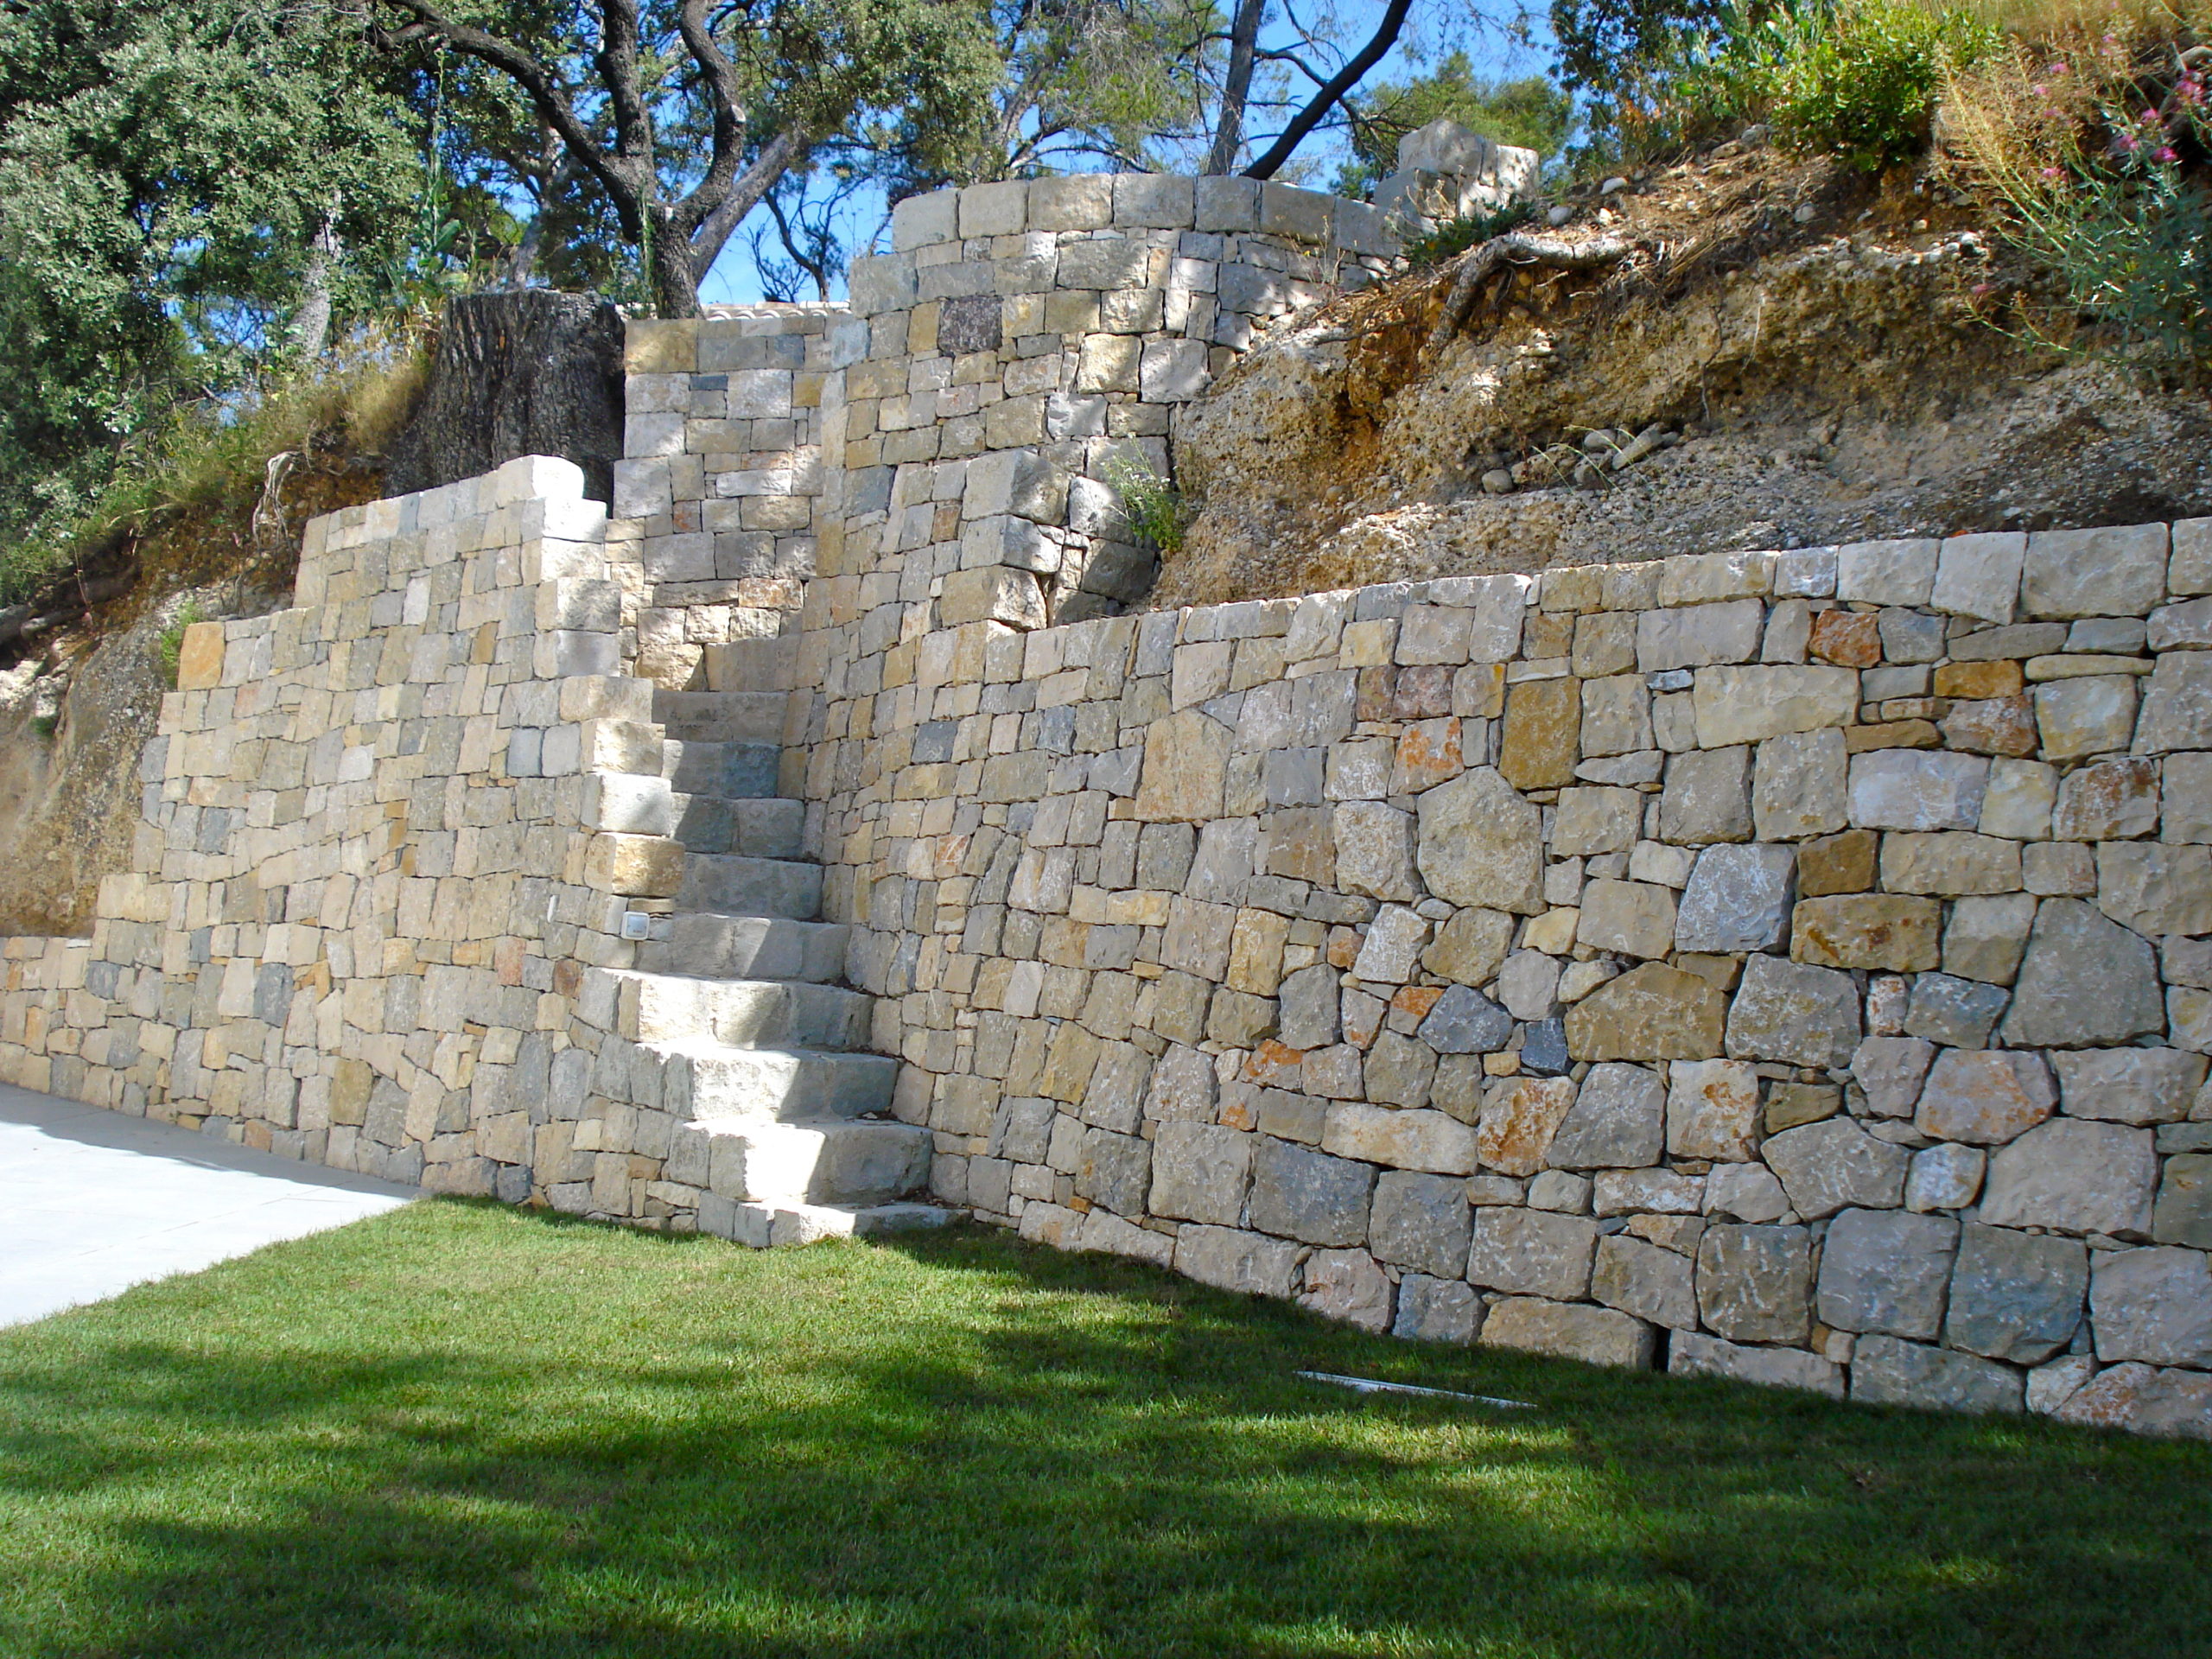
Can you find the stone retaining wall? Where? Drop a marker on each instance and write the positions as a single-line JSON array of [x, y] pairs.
[[388, 838], [1785, 965]]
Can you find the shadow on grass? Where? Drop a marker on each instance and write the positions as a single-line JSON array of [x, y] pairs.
[[468, 1431]]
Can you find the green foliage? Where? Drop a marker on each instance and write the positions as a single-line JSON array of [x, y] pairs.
[[1856, 78], [1530, 112], [168, 648], [1607, 47], [1456, 236], [1153, 510]]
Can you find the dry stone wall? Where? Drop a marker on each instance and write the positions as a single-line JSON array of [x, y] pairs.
[[1789, 966]]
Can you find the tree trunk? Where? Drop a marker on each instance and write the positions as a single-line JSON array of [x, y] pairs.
[[669, 268], [311, 326], [1229, 131], [532, 372]]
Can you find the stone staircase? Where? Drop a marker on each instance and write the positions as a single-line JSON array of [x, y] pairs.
[[736, 994]]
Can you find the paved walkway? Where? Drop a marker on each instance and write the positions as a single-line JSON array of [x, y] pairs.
[[92, 1202]]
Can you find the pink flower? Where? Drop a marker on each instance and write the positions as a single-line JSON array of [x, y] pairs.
[[2040, 91], [2165, 153], [2126, 141], [2054, 173], [2149, 118]]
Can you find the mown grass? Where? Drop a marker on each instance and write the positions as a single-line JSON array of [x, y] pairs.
[[463, 1430]]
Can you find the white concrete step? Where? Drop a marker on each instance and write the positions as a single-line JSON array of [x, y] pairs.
[[718, 946], [714, 1083], [721, 716], [733, 885], [766, 826], [772, 1226], [744, 1013], [828, 1161]]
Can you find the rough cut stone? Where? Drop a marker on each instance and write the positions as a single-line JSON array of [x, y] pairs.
[[2085, 980], [1465, 1022], [1890, 1070], [1707, 796], [1691, 1354], [1185, 762], [1885, 1372], [2112, 800], [1985, 1097], [1231, 1259], [1539, 741], [1797, 785], [1738, 900], [1916, 789], [1949, 865], [1520, 1117], [1887, 1270], [2153, 1305], [1375, 851], [1596, 820], [2129, 1085], [1754, 1284], [1947, 1009], [2120, 571], [1398, 1070], [2074, 1177], [2156, 889], [1618, 1121], [1839, 863], [1748, 705], [1347, 1285], [1944, 1176], [2177, 704], [2184, 1213], [1393, 945], [1896, 931], [1307, 1002], [1420, 1221], [1650, 1013], [1794, 1012], [1470, 947], [2018, 800], [1437, 1310], [1199, 1172], [1713, 1110], [1308, 1195], [1835, 1164], [1643, 1279], [1528, 985], [1986, 936], [1402, 1140], [1634, 918], [1532, 1252], [2145, 1400], [2095, 715], [2014, 1295], [1481, 843], [1746, 1192], [1597, 1336]]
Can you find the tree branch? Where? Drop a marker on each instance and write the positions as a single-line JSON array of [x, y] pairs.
[[1385, 35], [1476, 266]]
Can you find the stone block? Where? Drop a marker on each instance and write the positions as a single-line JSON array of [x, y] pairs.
[[1798, 786], [1916, 789], [2154, 1305], [1794, 1011], [2144, 1401], [1114, 1170], [1596, 820], [1231, 1259], [2176, 705], [1985, 1097], [1753, 704], [634, 866], [2074, 1177], [2129, 1085], [1713, 1110], [1199, 1172], [1886, 1271], [1532, 1252], [1308, 1195], [1081, 201], [1618, 1121], [1988, 935], [1698, 635], [1754, 1284], [1347, 1285], [1895, 932], [1949, 865], [2095, 715], [1886, 1371], [1186, 766], [1707, 796], [1464, 1021], [1834, 1165], [2156, 889], [1616, 714], [1420, 1222], [1597, 1336], [1519, 1118], [2085, 979], [2184, 1213], [1887, 573], [1738, 900], [2188, 805], [2015, 1296], [1838, 863], [1375, 851], [1746, 1192], [1645, 1280], [1979, 576], [1691, 1354], [1633, 918], [1393, 945], [1481, 843], [199, 658], [1947, 1009], [1652, 1012], [1400, 1140], [1944, 1176], [1436, 1310], [2120, 571], [1540, 740]]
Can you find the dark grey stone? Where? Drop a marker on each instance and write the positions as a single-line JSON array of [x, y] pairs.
[[1543, 1047], [1465, 1022], [1309, 1195], [2016, 1296], [1886, 1270], [1960, 1013], [1421, 1221], [2087, 980]]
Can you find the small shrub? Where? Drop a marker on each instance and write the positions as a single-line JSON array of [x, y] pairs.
[[1456, 236], [170, 648], [1153, 512]]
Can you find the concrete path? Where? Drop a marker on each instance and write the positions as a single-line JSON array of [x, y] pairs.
[[92, 1202]]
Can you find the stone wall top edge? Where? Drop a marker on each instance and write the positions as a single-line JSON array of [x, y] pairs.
[[527, 478], [1136, 202]]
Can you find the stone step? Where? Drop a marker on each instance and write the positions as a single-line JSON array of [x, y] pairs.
[[731, 771], [734, 885], [829, 1162], [744, 1013], [747, 947], [761, 826], [721, 716], [773, 1226], [769, 664], [714, 1083]]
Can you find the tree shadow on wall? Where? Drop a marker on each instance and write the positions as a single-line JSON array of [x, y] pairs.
[[965, 1446]]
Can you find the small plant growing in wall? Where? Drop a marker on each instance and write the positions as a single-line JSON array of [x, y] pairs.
[[1153, 510], [170, 648]]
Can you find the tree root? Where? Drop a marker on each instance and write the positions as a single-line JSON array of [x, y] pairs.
[[1481, 262]]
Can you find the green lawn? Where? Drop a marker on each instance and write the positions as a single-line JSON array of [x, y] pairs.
[[465, 1430]]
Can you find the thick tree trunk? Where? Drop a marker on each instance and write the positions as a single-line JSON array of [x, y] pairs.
[[311, 326], [531, 372]]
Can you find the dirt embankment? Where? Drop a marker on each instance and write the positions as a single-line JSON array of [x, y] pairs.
[[1806, 354]]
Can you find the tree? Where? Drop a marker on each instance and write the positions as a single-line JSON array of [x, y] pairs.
[[1530, 112], [184, 190], [756, 83], [1607, 47]]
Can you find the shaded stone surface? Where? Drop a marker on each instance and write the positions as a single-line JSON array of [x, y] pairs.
[[2085, 980], [2015, 1295], [1645, 1280], [1309, 1195], [1694, 1354], [1598, 1336], [1887, 1271], [2073, 1178], [1618, 1121], [1886, 1371], [2154, 1305], [1754, 1284]]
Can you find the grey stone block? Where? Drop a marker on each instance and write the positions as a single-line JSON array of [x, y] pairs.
[[2153, 1305], [1618, 1121], [2073, 1178], [1436, 1310], [1234, 1259], [1754, 1283], [1738, 900], [2085, 980], [1199, 1172], [1309, 1195], [1691, 1354], [1421, 1221], [1887, 1270], [1114, 1170], [1793, 1011], [1835, 1164], [1533, 1252], [1960, 1012], [1464, 1021], [1886, 1371], [1643, 1279], [2014, 1295]]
